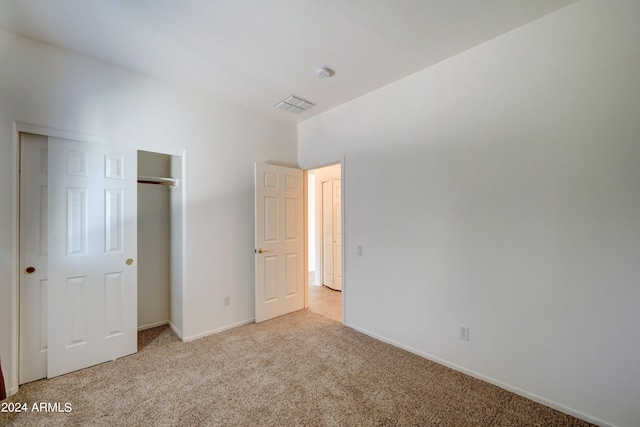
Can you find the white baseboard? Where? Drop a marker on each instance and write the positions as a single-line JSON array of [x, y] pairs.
[[175, 330], [152, 325], [215, 331], [162, 323], [487, 379]]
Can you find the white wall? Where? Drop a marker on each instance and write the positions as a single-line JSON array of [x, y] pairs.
[[51, 87], [177, 239], [500, 189]]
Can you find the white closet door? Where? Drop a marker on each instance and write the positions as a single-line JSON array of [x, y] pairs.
[[332, 234], [337, 234], [92, 298], [327, 233], [33, 257]]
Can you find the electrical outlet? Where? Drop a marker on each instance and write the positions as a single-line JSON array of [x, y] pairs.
[[227, 300], [359, 250], [464, 333]]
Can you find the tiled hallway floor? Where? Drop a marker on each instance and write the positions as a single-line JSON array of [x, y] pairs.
[[326, 302]]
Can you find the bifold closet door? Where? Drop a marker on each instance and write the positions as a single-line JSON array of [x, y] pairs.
[[33, 257], [92, 248], [332, 234]]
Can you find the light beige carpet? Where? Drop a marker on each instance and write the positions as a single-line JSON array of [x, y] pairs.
[[297, 370]]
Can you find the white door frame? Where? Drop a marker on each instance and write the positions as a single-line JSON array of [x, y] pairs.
[[18, 128]]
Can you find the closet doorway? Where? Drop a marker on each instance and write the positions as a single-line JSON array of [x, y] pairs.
[[159, 294], [159, 241]]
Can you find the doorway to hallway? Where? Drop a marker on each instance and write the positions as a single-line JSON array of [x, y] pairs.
[[324, 192], [325, 302]]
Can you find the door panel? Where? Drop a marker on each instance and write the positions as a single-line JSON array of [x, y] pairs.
[[327, 233], [92, 247], [292, 262], [279, 241], [33, 253], [337, 234], [332, 233]]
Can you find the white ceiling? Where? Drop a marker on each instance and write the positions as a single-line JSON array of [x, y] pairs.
[[256, 52]]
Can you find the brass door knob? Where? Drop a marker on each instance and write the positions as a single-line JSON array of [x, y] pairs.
[[260, 250], [30, 270], [129, 261]]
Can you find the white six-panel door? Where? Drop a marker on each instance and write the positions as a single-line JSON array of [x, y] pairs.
[[92, 298], [279, 241], [332, 234], [327, 233], [337, 234]]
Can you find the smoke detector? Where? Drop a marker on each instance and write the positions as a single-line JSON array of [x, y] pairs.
[[294, 104], [324, 72]]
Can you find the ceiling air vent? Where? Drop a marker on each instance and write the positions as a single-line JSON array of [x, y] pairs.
[[294, 104]]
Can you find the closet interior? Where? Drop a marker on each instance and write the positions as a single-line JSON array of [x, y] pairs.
[[159, 241]]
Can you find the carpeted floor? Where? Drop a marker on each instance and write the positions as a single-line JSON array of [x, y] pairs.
[[297, 370]]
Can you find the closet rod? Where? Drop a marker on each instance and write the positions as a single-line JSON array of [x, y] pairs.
[[156, 180]]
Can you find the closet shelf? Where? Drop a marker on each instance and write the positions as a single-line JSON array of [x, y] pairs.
[[171, 182]]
